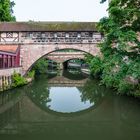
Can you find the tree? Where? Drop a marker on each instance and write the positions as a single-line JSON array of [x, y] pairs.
[[6, 10], [121, 46], [41, 66]]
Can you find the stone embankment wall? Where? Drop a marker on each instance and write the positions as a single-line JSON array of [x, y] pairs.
[[10, 71], [5, 82], [5, 77]]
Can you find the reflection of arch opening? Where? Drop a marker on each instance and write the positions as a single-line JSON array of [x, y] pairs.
[[65, 63], [90, 95], [54, 50], [81, 112], [77, 76]]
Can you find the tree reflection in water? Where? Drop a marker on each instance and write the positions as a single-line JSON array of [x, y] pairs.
[[39, 94], [90, 91]]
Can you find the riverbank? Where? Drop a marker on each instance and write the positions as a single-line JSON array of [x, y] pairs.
[[15, 80]]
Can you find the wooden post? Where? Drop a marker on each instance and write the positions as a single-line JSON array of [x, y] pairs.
[[0, 83], [3, 57], [13, 64], [1, 61], [8, 61]]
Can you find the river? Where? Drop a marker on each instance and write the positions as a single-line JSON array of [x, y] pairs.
[[68, 105]]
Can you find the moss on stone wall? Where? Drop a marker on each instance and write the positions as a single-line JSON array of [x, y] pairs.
[[48, 26]]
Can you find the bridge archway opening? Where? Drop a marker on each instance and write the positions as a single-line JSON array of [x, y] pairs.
[[64, 56], [74, 63], [51, 64], [54, 51]]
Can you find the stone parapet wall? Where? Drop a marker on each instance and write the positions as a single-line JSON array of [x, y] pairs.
[[10, 71]]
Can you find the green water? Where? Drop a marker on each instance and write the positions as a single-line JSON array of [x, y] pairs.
[[68, 105]]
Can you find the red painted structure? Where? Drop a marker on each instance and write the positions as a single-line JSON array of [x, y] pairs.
[[9, 56]]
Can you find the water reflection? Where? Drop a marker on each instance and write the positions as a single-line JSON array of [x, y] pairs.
[[65, 95], [66, 100], [74, 74], [25, 112]]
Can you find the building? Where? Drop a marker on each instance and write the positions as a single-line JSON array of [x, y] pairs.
[[9, 56]]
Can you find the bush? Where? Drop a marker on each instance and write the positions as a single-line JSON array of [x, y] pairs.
[[121, 47], [95, 63], [125, 87], [18, 80], [31, 74], [41, 66], [117, 73]]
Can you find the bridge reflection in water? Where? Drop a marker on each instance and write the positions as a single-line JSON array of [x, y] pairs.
[[25, 111]]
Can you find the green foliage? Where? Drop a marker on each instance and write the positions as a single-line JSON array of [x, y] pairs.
[[31, 74], [6, 11], [18, 80], [120, 62], [41, 66], [125, 87], [92, 91], [95, 64], [39, 93]]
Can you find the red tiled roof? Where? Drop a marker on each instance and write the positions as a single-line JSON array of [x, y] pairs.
[[9, 48], [48, 26]]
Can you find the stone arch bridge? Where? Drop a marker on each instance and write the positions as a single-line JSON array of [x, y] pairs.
[[38, 39]]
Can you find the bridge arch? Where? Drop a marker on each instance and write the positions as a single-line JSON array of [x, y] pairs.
[[61, 56], [31, 53]]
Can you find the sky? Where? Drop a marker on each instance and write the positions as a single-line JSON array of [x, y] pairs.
[[60, 10]]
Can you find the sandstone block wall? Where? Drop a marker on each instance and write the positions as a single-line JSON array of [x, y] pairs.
[[10, 71]]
